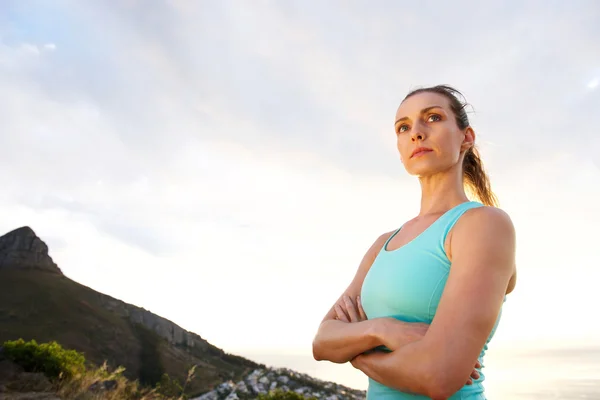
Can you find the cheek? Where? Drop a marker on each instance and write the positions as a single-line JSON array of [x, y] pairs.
[[402, 143], [448, 143]]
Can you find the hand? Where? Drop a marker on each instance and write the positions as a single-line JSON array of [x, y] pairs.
[[474, 374], [350, 311], [394, 333]]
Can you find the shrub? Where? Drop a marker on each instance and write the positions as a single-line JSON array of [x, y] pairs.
[[169, 387], [279, 394], [49, 358]]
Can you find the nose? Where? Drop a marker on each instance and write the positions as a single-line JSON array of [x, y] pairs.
[[417, 133]]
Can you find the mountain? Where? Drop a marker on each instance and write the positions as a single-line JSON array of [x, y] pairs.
[[37, 301]]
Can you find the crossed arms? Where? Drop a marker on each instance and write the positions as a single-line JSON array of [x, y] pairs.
[[434, 360]]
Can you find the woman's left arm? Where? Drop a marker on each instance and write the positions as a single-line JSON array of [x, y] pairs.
[[482, 246]]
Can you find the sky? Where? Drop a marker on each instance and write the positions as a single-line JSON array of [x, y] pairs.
[[227, 164]]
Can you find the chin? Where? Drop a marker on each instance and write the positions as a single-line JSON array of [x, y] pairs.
[[421, 169]]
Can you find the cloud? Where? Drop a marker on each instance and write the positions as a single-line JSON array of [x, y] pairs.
[[288, 78], [155, 116], [246, 134], [172, 94], [117, 220]]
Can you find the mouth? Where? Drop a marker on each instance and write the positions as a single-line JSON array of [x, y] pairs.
[[419, 151]]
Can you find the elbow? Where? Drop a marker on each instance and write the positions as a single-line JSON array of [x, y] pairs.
[[442, 386], [436, 390], [438, 394], [317, 350], [320, 353], [429, 378]]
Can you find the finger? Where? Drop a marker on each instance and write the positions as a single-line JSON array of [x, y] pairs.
[[361, 311], [351, 309], [469, 382], [341, 315], [477, 364], [475, 374]]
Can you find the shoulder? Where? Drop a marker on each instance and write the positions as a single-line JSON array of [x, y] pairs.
[[484, 219], [484, 232]]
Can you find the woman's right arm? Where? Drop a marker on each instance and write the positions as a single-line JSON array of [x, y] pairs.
[[340, 341]]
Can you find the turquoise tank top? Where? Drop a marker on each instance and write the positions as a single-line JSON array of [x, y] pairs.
[[407, 284]]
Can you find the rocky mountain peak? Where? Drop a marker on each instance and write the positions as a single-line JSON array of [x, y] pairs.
[[22, 248]]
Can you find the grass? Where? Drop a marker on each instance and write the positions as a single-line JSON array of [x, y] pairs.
[[78, 387], [73, 378]]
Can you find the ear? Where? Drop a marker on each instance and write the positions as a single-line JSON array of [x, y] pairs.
[[469, 139]]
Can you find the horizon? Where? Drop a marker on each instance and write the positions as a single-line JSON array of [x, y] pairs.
[[229, 165]]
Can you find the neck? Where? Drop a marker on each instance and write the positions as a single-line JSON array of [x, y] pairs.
[[442, 191]]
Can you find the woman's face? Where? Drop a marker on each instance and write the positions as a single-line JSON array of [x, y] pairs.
[[425, 121]]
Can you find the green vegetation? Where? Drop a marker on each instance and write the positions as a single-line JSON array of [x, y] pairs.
[[72, 378], [170, 387], [279, 394], [49, 358]]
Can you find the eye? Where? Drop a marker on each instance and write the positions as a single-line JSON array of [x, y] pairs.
[[402, 128], [435, 118]]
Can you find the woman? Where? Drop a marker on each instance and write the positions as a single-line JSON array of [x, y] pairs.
[[427, 297]]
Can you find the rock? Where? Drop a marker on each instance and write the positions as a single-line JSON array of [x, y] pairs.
[[264, 380], [255, 374], [212, 395], [9, 370], [261, 381], [241, 387], [21, 248], [174, 334], [225, 388], [232, 396], [29, 382]]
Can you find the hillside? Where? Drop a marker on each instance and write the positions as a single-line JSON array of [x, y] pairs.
[[37, 301]]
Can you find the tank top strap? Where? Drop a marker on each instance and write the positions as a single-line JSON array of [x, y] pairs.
[[449, 219], [384, 247]]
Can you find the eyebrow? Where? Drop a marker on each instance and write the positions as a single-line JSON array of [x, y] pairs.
[[423, 111]]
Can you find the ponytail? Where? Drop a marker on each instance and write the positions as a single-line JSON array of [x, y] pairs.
[[476, 180]]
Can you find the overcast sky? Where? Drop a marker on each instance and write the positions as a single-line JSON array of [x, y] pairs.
[[226, 164]]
